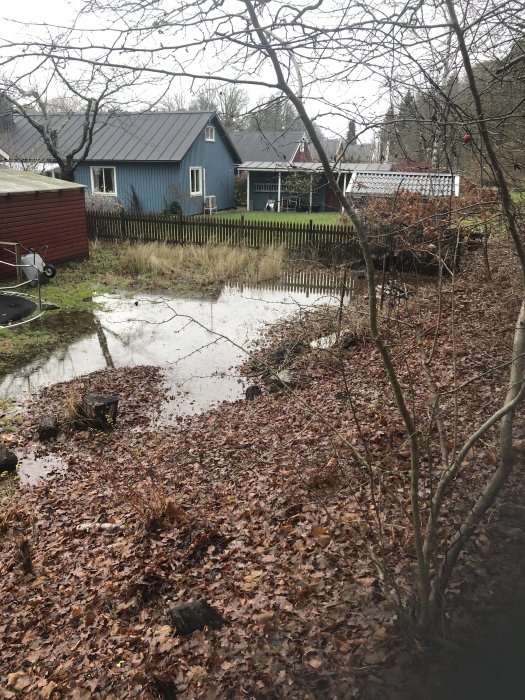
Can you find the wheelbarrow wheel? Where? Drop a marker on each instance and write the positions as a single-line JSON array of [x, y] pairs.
[[50, 271]]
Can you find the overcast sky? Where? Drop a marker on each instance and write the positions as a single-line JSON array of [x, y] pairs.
[[61, 13], [51, 11]]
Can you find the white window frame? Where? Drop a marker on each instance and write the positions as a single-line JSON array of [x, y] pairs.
[[200, 192], [209, 133], [103, 167]]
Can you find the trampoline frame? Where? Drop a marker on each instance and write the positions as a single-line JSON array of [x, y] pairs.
[[11, 290]]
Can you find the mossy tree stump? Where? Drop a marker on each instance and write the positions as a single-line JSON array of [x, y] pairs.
[[98, 411]]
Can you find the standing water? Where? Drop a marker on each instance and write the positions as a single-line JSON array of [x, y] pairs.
[[199, 343]]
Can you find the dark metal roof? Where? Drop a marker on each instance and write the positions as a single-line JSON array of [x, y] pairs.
[[137, 137], [388, 183], [355, 152], [266, 145]]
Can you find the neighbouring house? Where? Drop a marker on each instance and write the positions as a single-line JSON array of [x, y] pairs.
[[151, 162], [283, 174], [296, 186], [366, 184], [353, 153], [288, 146], [46, 214]]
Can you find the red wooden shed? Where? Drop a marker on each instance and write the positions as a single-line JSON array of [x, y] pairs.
[[39, 211]]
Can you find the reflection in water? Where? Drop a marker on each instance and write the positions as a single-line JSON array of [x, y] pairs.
[[199, 343], [103, 342]]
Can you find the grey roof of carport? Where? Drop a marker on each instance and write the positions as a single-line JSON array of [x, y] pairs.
[[270, 166]]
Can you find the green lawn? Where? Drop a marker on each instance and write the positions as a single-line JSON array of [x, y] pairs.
[[287, 217]]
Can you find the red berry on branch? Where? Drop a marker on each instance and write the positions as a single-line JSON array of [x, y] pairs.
[[467, 138]]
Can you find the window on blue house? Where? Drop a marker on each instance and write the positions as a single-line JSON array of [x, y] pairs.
[[195, 182], [209, 133], [103, 180]]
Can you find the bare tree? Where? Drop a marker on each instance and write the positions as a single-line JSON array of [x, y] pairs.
[[232, 106], [307, 55], [50, 98], [273, 114], [172, 102]]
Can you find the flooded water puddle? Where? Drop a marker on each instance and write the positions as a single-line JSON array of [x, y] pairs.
[[32, 468], [200, 344]]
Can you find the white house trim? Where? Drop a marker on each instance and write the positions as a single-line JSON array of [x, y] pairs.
[[92, 168]]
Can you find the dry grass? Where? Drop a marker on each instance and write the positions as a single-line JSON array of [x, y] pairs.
[[71, 409], [148, 500], [204, 265]]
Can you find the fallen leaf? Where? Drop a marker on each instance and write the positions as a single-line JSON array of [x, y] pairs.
[[47, 691], [366, 581], [19, 680], [320, 534]]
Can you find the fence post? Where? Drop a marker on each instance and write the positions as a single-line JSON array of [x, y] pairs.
[[123, 228], [18, 261]]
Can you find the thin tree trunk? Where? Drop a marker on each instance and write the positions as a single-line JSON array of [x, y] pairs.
[[515, 392]]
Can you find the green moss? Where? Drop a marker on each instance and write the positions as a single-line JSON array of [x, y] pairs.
[[72, 290], [9, 421]]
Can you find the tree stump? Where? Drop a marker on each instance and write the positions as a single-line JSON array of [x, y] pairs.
[[8, 460], [252, 392], [98, 411], [192, 616], [48, 427]]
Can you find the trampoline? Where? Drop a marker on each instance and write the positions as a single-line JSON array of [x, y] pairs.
[[14, 307]]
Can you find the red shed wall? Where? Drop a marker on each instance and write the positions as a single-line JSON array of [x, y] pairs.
[[56, 219]]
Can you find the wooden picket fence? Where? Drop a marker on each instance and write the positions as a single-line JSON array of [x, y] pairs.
[[321, 239]]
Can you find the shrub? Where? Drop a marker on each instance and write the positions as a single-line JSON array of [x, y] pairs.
[[173, 209], [101, 202]]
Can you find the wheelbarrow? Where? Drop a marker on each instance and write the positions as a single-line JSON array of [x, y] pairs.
[[35, 270]]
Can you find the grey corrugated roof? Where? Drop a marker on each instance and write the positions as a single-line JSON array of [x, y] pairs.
[[266, 145], [21, 182], [147, 137], [273, 166], [388, 183]]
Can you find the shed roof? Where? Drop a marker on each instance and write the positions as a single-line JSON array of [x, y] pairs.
[[137, 137], [22, 182], [267, 145], [388, 183], [271, 166]]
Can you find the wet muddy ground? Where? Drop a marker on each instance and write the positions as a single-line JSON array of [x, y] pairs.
[[187, 338]]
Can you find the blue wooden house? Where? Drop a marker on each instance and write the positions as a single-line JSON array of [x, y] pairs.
[[150, 162]]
